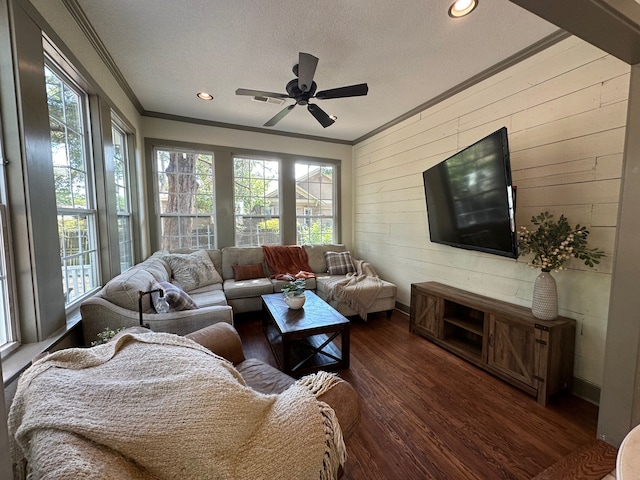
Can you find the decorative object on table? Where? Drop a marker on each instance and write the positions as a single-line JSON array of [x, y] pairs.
[[293, 293], [552, 244]]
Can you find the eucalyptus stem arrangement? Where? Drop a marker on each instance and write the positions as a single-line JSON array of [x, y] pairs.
[[553, 243]]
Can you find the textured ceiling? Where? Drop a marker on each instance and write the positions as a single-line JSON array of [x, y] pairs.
[[408, 52]]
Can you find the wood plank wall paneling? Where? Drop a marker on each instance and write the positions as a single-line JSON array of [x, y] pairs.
[[565, 110]]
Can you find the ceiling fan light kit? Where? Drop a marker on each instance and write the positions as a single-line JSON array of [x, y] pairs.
[[302, 89]]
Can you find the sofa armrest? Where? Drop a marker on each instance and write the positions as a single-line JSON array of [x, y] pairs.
[[346, 404], [222, 339], [98, 314]]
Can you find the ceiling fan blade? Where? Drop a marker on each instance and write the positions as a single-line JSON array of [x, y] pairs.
[[260, 93], [324, 119], [279, 116], [307, 64], [341, 92]]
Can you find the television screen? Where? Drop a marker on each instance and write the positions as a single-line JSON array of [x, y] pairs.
[[470, 199]]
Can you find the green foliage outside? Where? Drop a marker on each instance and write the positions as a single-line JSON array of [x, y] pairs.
[[252, 179], [314, 234]]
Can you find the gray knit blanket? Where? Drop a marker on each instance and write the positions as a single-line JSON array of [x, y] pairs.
[[159, 406], [358, 290]]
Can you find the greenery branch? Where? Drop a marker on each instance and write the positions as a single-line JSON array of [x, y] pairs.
[[106, 335], [553, 243]]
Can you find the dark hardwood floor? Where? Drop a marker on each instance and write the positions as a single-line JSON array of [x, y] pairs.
[[427, 414]]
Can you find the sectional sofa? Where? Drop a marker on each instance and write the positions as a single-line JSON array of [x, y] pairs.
[[241, 276]]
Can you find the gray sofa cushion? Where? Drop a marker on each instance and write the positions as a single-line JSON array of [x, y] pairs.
[[123, 289], [325, 285], [209, 299], [157, 267], [278, 284], [207, 288], [241, 256], [315, 254], [247, 288]]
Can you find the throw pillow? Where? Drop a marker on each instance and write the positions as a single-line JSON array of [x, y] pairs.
[[176, 298], [339, 263], [247, 272], [193, 270]]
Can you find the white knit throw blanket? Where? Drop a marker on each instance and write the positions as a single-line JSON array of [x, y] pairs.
[[158, 406]]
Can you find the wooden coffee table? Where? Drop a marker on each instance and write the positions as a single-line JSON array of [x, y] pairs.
[[303, 340]]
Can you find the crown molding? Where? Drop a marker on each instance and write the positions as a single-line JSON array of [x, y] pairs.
[[211, 123]]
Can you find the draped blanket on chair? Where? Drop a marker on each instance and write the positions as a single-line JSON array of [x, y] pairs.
[[287, 261], [358, 290], [158, 406]]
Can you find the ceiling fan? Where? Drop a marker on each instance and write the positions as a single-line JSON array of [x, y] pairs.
[[303, 89]]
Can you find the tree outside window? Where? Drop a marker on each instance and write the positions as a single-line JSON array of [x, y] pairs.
[[186, 199]]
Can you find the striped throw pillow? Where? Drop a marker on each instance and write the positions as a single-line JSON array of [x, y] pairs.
[[177, 298]]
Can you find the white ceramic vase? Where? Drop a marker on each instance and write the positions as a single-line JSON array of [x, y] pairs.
[[293, 302], [545, 297]]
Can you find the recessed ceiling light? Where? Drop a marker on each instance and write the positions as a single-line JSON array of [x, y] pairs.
[[460, 8], [204, 96]]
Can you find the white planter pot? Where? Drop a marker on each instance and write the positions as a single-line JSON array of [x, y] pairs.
[[293, 302]]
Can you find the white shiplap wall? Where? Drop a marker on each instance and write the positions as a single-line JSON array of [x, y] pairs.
[[565, 111]]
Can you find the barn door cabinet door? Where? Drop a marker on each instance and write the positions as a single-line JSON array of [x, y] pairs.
[[535, 356], [425, 313], [513, 350]]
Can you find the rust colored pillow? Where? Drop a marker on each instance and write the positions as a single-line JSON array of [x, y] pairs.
[[247, 272]]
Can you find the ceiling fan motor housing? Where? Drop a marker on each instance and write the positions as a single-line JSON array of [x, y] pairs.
[[301, 98]]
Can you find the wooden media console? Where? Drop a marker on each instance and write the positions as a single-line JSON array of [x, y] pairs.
[[504, 339]]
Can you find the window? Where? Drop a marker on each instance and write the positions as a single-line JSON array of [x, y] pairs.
[[123, 196], [315, 212], [257, 201], [185, 199], [8, 328], [74, 201], [8, 333]]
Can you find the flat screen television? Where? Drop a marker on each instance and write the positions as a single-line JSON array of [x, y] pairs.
[[470, 199]]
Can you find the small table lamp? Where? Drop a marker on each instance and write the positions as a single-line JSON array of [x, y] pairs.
[[142, 294]]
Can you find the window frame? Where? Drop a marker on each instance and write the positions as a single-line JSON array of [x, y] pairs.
[[9, 323], [117, 127], [212, 238], [224, 173], [312, 218], [90, 212], [265, 216]]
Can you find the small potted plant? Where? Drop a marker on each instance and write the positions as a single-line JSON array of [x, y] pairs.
[[293, 293]]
